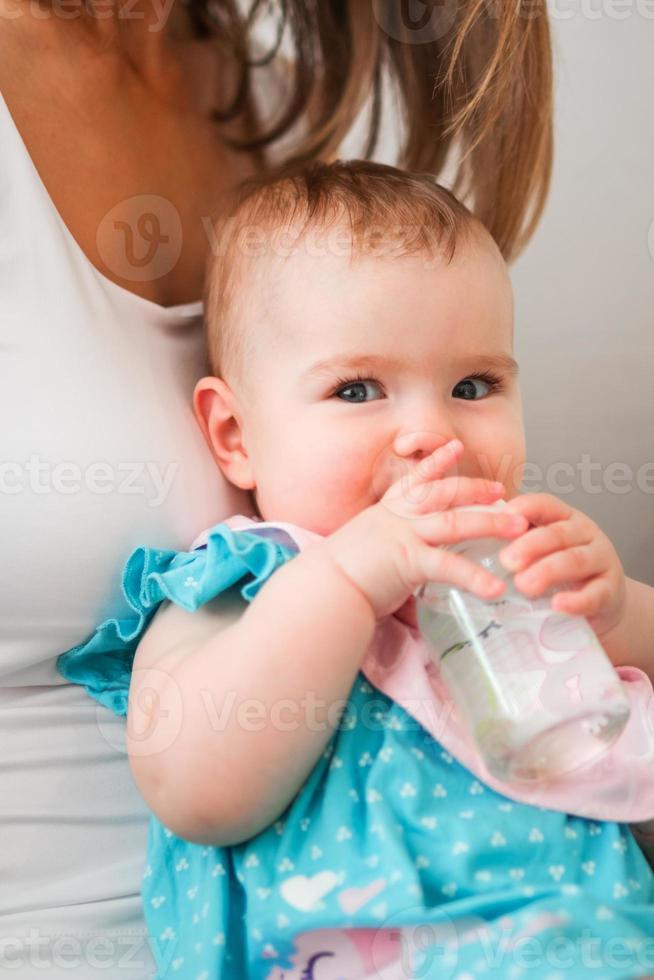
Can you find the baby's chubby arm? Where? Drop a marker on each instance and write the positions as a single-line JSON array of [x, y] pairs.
[[216, 736], [218, 775]]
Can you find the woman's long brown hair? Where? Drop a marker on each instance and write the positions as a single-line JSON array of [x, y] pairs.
[[474, 78]]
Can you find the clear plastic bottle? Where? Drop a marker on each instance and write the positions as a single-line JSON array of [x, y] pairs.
[[535, 687]]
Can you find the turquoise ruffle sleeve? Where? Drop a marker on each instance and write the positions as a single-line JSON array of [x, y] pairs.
[[102, 664]]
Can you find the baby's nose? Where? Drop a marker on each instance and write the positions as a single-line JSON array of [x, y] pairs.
[[421, 443]]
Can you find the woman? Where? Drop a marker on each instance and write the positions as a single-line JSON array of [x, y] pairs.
[[122, 125]]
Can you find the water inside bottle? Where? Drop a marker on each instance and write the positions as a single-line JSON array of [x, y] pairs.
[[540, 697]]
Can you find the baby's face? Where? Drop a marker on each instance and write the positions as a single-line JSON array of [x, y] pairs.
[[323, 445]]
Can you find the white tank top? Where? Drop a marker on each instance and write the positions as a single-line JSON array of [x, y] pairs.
[[100, 452]]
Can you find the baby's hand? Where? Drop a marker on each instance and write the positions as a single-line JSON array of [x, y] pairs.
[[392, 547], [565, 547]]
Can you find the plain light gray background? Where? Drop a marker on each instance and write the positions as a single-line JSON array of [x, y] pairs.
[[585, 285]]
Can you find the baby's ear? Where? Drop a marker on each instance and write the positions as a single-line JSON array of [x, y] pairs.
[[216, 411]]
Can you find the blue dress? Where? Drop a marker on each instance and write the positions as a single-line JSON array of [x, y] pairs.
[[393, 860]]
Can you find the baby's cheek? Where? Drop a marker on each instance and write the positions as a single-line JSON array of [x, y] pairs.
[[320, 494], [506, 466], [509, 467], [342, 489]]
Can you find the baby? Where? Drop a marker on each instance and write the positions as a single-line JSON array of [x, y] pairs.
[[310, 818]]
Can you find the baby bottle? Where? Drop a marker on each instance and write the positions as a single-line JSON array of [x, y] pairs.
[[534, 686]]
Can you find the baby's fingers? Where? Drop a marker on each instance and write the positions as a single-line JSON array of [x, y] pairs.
[[586, 599], [413, 475], [439, 565], [423, 487], [462, 491], [452, 527]]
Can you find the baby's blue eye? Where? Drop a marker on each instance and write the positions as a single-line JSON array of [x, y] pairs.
[[357, 386], [468, 386]]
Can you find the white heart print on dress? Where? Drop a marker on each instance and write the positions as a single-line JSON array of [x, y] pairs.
[[305, 893]]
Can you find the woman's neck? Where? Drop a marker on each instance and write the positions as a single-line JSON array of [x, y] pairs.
[[146, 25], [155, 40]]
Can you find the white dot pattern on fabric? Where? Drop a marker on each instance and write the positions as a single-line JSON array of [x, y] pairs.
[[308, 879]]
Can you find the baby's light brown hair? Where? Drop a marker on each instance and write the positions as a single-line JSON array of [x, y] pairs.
[[378, 209]]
